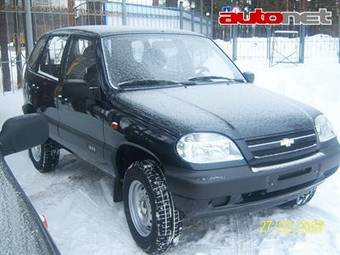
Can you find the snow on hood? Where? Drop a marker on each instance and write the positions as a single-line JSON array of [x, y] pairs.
[[238, 110]]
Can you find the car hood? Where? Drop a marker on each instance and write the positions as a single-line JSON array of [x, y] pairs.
[[238, 110]]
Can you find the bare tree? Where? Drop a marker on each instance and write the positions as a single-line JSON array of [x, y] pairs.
[[17, 43], [70, 15], [6, 77]]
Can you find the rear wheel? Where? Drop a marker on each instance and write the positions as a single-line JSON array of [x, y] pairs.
[[299, 201], [45, 157], [154, 222]]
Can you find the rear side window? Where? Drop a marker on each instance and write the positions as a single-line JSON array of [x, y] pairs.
[[51, 60], [34, 57]]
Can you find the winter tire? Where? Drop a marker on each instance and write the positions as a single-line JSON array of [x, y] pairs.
[[154, 222], [299, 201], [45, 157]]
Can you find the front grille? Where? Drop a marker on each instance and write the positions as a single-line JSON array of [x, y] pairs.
[[271, 150]]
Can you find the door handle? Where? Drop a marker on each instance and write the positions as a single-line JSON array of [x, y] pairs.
[[61, 99], [35, 87]]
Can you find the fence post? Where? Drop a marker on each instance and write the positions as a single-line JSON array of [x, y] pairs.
[[192, 20], [209, 28], [302, 44], [201, 17], [234, 29], [339, 38], [29, 27], [212, 27], [124, 13], [212, 19], [269, 37], [180, 15]]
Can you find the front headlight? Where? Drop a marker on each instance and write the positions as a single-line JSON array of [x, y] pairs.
[[207, 148], [324, 128]]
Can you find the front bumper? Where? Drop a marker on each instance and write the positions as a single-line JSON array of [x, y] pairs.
[[214, 192]]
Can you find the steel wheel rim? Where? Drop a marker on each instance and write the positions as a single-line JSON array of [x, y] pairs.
[[140, 208], [36, 153]]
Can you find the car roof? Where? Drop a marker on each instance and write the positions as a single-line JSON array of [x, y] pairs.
[[105, 30]]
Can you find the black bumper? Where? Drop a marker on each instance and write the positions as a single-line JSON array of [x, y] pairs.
[[213, 192]]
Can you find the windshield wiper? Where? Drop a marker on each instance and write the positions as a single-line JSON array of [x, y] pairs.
[[146, 83], [211, 78]]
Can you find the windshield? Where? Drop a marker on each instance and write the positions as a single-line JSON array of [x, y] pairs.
[[166, 58]]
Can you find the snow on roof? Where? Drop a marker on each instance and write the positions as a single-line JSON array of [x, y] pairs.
[[103, 30]]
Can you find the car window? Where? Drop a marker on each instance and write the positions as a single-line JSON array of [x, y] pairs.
[[34, 57], [81, 61], [169, 57], [52, 57]]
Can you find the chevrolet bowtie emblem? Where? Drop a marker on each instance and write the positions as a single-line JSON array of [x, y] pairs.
[[287, 142]]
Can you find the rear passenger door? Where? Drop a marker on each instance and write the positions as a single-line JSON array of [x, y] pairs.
[[47, 80], [80, 129]]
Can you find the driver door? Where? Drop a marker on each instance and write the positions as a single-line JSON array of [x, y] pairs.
[[79, 129]]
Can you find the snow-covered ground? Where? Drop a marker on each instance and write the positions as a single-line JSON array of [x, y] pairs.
[[77, 198]]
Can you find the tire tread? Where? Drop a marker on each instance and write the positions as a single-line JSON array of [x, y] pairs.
[[169, 220], [50, 157]]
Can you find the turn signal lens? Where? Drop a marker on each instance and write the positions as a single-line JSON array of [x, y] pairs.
[[114, 125]]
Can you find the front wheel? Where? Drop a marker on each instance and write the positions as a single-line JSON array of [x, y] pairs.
[[153, 220], [45, 157]]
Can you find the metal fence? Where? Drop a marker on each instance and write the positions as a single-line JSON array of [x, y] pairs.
[[276, 44], [48, 15], [240, 42]]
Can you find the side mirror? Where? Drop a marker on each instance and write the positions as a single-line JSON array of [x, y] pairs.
[[76, 89], [23, 132], [79, 90], [250, 77]]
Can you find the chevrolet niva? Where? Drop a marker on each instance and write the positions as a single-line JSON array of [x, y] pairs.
[[176, 124]]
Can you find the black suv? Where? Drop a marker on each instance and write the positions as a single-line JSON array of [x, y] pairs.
[[182, 131]]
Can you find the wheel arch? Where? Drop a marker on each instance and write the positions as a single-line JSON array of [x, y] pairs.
[[128, 152]]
